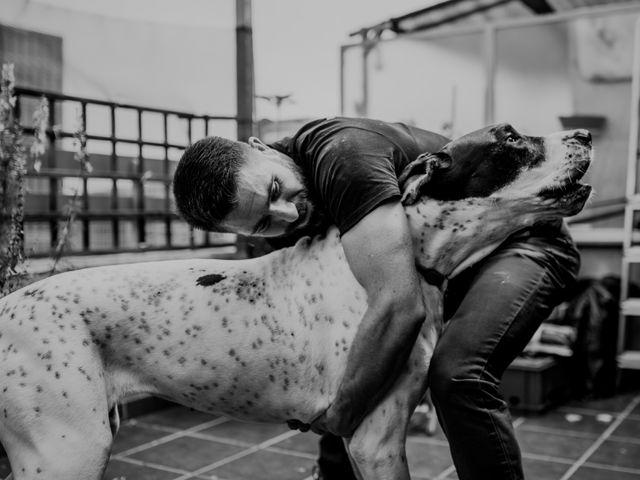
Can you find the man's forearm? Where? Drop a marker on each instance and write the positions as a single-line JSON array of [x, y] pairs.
[[379, 351]]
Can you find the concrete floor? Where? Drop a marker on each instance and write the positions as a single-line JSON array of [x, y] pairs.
[[596, 440]]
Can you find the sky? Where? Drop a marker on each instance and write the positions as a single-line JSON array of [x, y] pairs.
[[296, 42]]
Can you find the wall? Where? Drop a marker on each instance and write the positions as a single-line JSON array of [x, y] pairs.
[[185, 68], [438, 84], [541, 75], [561, 67]]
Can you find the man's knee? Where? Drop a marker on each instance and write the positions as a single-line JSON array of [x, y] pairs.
[[455, 395], [444, 369], [454, 383]]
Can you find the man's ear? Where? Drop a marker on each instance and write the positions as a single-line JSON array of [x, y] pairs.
[[255, 142]]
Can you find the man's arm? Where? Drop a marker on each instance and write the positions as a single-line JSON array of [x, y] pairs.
[[380, 254]]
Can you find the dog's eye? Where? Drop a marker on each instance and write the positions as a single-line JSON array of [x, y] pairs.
[[511, 139]]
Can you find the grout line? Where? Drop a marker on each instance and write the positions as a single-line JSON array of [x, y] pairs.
[[601, 439], [444, 474], [613, 468], [557, 431], [292, 453], [157, 466], [547, 458], [244, 453], [226, 441], [619, 438], [153, 426], [173, 436], [587, 411], [429, 441]]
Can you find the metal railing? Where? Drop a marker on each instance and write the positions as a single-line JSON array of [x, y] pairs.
[[124, 203]]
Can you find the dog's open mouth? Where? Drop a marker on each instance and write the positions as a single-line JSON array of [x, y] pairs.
[[566, 190]]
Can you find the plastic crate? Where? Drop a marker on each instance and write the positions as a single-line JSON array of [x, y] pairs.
[[534, 384]]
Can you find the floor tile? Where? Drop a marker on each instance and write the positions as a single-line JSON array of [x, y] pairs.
[[552, 444], [589, 473], [261, 465], [427, 460], [177, 417], [131, 435], [542, 470], [117, 470], [613, 404], [417, 428], [561, 421], [302, 442], [187, 453], [535, 469], [252, 433], [618, 453], [629, 428]]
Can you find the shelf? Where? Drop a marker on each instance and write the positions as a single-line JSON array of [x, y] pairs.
[[632, 255], [630, 307], [633, 201], [629, 359]]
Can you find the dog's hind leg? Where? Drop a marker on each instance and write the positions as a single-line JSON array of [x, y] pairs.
[[55, 449], [57, 426]]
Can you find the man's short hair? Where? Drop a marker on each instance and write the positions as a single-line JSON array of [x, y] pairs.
[[204, 184]]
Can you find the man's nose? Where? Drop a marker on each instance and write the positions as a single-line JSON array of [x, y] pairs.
[[284, 210]]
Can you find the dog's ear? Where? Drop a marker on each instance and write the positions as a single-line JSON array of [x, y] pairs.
[[418, 173]]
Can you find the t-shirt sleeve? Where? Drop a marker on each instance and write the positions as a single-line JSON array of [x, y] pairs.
[[352, 180]]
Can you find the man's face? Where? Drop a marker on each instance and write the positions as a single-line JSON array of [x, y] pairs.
[[272, 197]]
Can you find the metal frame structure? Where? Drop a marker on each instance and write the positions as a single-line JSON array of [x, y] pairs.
[[55, 172], [370, 37], [629, 357]]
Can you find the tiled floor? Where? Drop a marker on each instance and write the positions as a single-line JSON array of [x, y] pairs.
[[598, 440]]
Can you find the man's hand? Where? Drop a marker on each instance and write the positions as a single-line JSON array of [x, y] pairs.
[[380, 253]]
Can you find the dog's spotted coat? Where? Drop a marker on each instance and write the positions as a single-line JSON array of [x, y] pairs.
[[264, 339]]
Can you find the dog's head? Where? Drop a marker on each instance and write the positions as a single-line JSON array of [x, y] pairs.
[[484, 186], [498, 160]]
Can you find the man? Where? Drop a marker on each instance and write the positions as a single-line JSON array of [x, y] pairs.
[[344, 171]]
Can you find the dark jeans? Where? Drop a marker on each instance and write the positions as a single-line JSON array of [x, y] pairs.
[[494, 309]]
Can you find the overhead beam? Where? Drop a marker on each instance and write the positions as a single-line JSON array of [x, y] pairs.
[[539, 7]]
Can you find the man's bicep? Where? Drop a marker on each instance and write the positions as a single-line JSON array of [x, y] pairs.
[[380, 253]]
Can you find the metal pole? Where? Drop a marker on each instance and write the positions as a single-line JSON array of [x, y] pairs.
[[245, 86], [490, 75], [244, 69]]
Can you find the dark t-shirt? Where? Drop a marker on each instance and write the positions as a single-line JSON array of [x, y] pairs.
[[352, 164]]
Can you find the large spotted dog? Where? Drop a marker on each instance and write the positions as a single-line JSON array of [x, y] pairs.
[[263, 339]]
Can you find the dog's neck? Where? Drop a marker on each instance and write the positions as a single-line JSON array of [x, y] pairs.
[[449, 236]]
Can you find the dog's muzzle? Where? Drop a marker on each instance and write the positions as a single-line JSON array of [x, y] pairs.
[[572, 195]]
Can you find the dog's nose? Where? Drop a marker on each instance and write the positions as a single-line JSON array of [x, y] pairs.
[[583, 136]]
